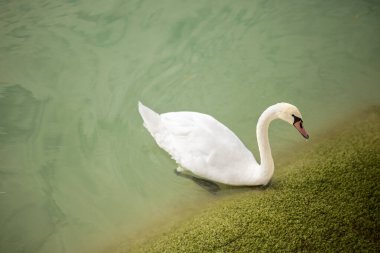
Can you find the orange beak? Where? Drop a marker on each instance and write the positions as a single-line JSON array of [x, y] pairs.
[[298, 125]]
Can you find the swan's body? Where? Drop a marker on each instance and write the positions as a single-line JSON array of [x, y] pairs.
[[207, 148]]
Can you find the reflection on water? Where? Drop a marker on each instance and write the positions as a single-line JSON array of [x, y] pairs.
[[78, 170]]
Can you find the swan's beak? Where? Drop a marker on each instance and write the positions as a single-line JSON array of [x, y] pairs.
[[299, 126]]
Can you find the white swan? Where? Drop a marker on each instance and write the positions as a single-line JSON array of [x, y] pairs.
[[207, 148]]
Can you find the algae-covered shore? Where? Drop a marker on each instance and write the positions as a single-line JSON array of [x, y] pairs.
[[327, 200]]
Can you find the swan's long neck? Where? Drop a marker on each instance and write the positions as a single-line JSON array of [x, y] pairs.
[[266, 160]]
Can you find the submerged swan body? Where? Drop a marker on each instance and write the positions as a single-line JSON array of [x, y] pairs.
[[210, 150]]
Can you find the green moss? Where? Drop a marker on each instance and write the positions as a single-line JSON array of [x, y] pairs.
[[327, 201]]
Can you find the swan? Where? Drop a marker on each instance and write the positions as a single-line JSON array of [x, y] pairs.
[[202, 145]]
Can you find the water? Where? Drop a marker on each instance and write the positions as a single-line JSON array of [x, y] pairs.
[[77, 169]]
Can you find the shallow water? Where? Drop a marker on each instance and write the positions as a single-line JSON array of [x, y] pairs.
[[78, 171]]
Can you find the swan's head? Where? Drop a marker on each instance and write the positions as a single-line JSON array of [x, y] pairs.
[[292, 115]]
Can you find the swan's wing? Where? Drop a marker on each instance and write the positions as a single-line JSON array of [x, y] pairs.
[[198, 142]]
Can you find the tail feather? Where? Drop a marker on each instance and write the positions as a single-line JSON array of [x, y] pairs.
[[151, 118]]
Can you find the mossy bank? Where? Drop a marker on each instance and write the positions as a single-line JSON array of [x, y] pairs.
[[325, 201]]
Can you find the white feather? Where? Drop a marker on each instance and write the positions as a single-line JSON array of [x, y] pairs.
[[204, 146]]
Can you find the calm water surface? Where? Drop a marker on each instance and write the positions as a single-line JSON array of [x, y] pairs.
[[78, 170]]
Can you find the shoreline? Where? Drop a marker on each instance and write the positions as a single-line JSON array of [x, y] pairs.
[[325, 200]]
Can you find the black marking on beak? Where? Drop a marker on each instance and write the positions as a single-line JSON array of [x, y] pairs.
[[298, 124], [296, 119]]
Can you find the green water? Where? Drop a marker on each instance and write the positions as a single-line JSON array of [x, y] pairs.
[[78, 171]]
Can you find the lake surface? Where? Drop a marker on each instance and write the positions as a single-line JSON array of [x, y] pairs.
[[78, 171]]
